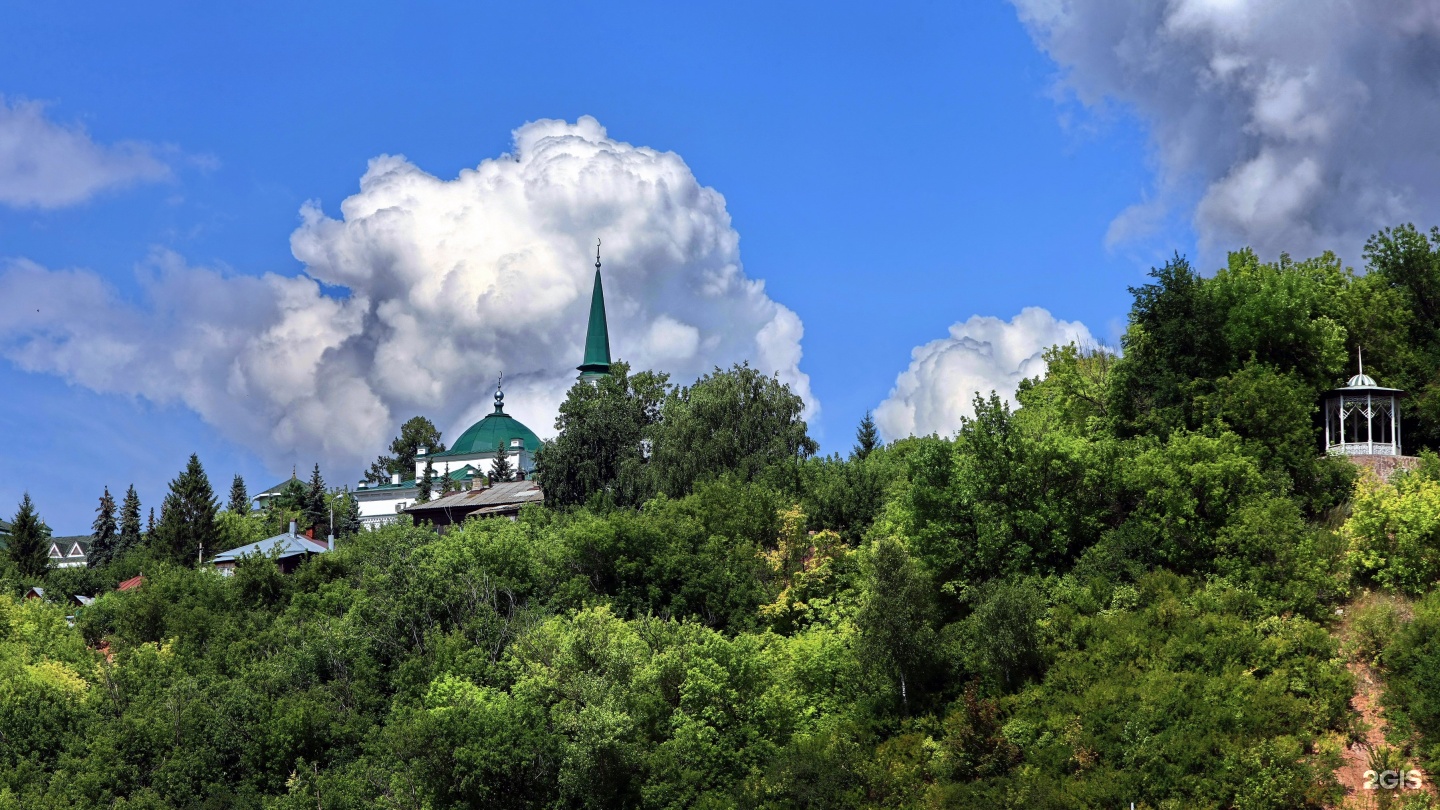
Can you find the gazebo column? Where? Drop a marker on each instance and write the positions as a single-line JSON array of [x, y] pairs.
[[1395, 422], [1369, 426]]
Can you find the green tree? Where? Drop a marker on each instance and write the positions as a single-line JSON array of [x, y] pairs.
[[103, 532], [501, 470], [317, 512], [1001, 501], [129, 523], [417, 432], [604, 432], [896, 636], [427, 482], [347, 523], [187, 517], [29, 544], [1400, 328], [867, 438], [150, 525], [736, 421], [1002, 635], [239, 498]]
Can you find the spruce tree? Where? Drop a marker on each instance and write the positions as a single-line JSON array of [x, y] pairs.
[[316, 512], [29, 546], [427, 482], [445, 486], [502, 471], [150, 525], [104, 532], [347, 523], [239, 498], [187, 517], [129, 523], [867, 438]]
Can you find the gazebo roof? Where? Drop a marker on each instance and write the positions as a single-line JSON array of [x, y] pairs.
[[1363, 384]]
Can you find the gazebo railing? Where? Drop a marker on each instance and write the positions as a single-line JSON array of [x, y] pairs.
[[1363, 449]]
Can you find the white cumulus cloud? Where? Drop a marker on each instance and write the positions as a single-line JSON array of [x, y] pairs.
[[446, 284], [46, 165], [980, 355], [1295, 125]]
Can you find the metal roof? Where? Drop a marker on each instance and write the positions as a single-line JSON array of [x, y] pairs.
[[487, 434], [597, 333], [497, 497], [281, 546], [275, 490]]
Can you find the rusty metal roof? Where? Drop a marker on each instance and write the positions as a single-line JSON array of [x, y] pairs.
[[490, 500]]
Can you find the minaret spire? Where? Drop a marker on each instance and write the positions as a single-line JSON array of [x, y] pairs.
[[597, 335]]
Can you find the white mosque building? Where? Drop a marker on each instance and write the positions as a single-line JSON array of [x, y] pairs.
[[471, 458]]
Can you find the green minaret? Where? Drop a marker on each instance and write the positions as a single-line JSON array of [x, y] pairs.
[[597, 337]]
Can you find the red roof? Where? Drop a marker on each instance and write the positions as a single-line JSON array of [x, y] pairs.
[[133, 582]]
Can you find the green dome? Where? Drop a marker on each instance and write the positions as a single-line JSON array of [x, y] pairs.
[[484, 436]]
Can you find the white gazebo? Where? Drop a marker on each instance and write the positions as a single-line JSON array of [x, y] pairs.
[[1362, 419]]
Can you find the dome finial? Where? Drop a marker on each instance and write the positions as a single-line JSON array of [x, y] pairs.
[[500, 393]]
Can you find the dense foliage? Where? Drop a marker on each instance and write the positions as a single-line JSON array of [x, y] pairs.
[[1122, 590]]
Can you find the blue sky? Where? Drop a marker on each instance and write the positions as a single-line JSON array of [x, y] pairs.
[[890, 172]]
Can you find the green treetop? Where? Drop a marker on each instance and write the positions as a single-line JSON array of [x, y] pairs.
[[867, 438], [317, 514], [239, 498], [427, 482], [187, 517], [417, 432], [129, 522], [501, 471], [347, 516], [104, 532], [29, 542]]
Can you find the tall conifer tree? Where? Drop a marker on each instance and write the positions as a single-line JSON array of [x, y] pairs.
[[502, 471], [347, 523], [239, 497], [150, 525], [129, 523], [187, 517], [427, 483], [104, 532], [316, 513], [29, 545], [867, 438]]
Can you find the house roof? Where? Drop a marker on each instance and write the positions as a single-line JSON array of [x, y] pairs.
[[408, 483], [131, 583], [281, 546], [65, 547], [496, 498], [275, 490]]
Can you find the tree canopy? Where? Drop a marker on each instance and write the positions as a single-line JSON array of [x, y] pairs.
[[1138, 582]]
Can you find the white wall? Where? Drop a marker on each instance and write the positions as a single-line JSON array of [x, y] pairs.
[[520, 459]]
